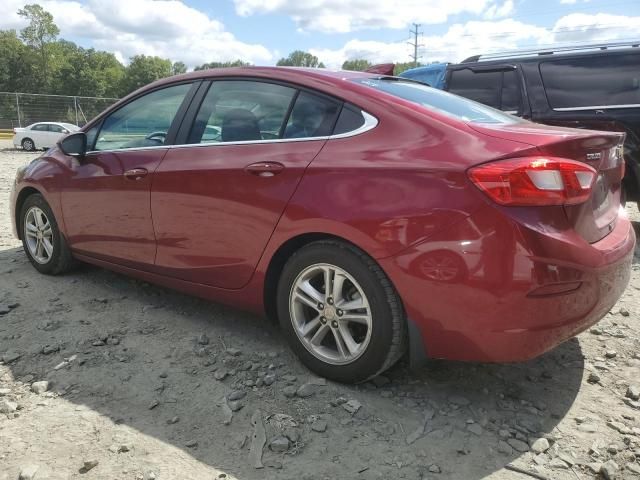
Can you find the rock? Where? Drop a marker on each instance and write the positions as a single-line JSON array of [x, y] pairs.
[[518, 445], [236, 395], [173, 420], [459, 400], [29, 472], [290, 378], [11, 357], [191, 444], [319, 426], [40, 387], [258, 440], [352, 406], [220, 374], [504, 447], [203, 339], [541, 445], [422, 428], [434, 468], [558, 463], [567, 458], [4, 309], [587, 427], [150, 476], [633, 392], [305, 391], [113, 341], [235, 405], [49, 349], [234, 352], [475, 428], [154, 404], [633, 468], [609, 470], [623, 311], [338, 401], [289, 391], [593, 378], [269, 379], [125, 447], [619, 427], [611, 354], [279, 444], [89, 464], [7, 406]]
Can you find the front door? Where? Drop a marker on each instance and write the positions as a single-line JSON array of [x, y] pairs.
[[105, 199], [217, 200]]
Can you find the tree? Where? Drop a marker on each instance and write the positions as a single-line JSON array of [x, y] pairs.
[[401, 67], [178, 67], [144, 69], [17, 64], [235, 63], [298, 58], [357, 64], [40, 32]]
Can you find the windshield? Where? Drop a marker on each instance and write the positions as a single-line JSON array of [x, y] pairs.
[[443, 102]]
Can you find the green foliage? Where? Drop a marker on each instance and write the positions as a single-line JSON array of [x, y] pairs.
[[356, 65], [143, 70], [41, 29], [178, 67], [401, 67], [235, 63], [298, 58]]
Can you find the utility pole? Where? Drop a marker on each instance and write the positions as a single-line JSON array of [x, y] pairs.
[[416, 31]]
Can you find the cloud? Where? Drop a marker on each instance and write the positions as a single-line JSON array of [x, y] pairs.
[[477, 37], [167, 28], [499, 11], [341, 16]]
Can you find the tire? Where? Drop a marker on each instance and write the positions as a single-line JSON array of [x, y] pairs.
[[379, 344], [28, 144], [58, 259]]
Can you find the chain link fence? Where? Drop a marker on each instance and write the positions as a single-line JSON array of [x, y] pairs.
[[23, 109]]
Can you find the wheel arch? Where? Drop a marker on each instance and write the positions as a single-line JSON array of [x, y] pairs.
[[22, 196]]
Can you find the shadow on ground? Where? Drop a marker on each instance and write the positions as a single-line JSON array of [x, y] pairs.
[[139, 363]]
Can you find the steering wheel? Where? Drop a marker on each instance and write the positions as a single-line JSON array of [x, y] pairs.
[[157, 136]]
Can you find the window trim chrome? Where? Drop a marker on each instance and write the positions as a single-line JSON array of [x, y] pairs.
[[596, 107], [370, 122]]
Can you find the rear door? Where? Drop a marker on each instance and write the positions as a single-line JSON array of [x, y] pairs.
[[217, 199]]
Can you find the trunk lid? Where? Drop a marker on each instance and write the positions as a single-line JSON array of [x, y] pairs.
[[595, 218]]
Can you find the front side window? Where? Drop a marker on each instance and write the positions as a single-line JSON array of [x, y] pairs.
[[454, 106], [511, 100], [483, 87], [56, 129], [240, 111], [144, 122], [608, 80]]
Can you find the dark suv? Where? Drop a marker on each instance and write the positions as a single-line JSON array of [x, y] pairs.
[[595, 87]]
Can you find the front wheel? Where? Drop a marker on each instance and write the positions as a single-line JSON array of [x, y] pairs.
[[42, 240], [340, 313]]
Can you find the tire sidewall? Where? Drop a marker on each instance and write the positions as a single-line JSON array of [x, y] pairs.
[[36, 200], [372, 360]]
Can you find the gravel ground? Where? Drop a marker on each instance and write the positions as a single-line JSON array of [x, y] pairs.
[[146, 383]]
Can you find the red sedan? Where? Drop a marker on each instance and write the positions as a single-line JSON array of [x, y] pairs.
[[370, 215]]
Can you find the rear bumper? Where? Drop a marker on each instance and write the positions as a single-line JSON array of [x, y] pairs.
[[494, 304]]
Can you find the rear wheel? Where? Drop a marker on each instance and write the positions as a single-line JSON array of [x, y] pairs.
[[28, 145], [340, 312], [42, 240]]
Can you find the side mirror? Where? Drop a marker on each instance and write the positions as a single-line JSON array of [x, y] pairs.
[[74, 145]]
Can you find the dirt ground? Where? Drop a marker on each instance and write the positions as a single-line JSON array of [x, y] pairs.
[[146, 383]]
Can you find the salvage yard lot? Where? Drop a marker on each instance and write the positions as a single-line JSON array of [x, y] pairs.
[[147, 383]]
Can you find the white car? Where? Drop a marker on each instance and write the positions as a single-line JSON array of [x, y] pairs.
[[41, 135]]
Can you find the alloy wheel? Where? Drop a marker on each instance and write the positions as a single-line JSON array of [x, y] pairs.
[[330, 314], [39, 235]]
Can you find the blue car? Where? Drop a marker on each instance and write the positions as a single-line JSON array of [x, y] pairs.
[[433, 75]]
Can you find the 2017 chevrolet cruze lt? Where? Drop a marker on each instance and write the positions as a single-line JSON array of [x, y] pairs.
[[370, 214]]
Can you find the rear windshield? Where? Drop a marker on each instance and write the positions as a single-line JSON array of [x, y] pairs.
[[434, 99]]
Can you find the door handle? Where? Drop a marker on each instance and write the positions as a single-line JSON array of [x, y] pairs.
[[136, 173], [264, 169]]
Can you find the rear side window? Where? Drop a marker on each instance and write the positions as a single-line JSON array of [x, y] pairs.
[[239, 111], [312, 116], [483, 87], [350, 119], [433, 99], [41, 127], [592, 82]]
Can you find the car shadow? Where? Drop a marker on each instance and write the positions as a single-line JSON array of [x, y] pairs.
[[141, 360]]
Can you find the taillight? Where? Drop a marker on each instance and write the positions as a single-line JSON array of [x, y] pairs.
[[535, 181]]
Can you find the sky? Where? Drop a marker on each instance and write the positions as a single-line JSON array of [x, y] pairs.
[[262, 31]]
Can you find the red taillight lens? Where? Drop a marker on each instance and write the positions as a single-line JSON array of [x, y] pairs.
[[535, 181]]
